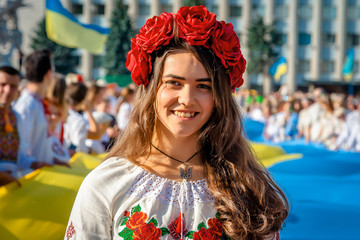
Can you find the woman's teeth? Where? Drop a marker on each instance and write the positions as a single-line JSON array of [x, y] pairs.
[[184, 114]]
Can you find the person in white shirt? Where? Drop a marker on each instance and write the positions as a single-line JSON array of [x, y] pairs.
[[32, 110], [124, 107], [314, 113], [353, 121], [75, 127]]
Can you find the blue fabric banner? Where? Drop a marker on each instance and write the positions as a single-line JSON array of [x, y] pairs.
[[323, 189]]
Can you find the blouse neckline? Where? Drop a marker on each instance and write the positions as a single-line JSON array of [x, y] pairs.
[[163, 179]]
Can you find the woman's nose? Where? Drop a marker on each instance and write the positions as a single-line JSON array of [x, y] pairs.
[[186, 95]]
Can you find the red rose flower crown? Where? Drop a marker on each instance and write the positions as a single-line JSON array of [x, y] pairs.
[[197, 26]]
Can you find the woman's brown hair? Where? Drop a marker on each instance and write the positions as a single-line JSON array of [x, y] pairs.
[[250, 204]]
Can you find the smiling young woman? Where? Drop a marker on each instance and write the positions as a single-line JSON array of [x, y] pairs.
[[182, 169]]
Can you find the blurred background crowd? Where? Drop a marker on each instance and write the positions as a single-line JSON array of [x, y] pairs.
[[47, 117], [332, 119]]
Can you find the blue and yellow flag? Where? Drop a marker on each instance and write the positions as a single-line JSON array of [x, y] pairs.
[[63, 28], [278, 68], [348, 65]]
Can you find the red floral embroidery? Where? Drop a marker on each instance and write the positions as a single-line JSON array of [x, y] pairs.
[[205, 234], [175, 227], [137, 226], [126, 213], [215, 225], [147, 231], [136, 220], [70, 232]]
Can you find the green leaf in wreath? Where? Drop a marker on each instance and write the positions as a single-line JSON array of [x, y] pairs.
[[164, 231], [201, 225], [154, 221], [124, 221], [136, 209], [190, 234], [126, 234], [217, 215]]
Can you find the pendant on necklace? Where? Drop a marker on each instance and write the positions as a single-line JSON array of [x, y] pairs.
[[185, 173]]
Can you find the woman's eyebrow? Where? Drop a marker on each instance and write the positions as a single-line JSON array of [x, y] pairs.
[[173, 76], [203, 80], [182, 78]]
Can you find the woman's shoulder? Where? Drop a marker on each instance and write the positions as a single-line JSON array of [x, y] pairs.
[[115, 165], [112, 172]]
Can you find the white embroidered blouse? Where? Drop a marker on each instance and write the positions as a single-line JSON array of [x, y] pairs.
[[120, 200]]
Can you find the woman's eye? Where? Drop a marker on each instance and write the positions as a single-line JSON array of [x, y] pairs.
[[172, 83], [204, 86]]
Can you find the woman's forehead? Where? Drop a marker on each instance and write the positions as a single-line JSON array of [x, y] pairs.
[[184, 64]]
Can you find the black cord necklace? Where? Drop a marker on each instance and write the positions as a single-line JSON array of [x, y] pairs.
[[185, 173]]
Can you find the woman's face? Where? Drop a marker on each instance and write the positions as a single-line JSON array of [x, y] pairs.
[[184, 101], [54, 117]]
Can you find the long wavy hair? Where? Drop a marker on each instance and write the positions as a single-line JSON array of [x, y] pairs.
[[250, 204]]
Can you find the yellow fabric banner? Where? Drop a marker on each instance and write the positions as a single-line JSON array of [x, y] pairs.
[[41, 207]]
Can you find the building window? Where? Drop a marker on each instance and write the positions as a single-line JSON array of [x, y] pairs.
[[235, 11], [144, 9], [282, 38], [77, 8], [327, 66], [328, 39], [356, 67], [257, 11], [99, 9], [353, 40], [281, 12], [166, 8], [214, 9], [77, 60], [97, 61], [329, 12], [305, 12], [303, 2], [304, 66], [304, 39], [353, 13]]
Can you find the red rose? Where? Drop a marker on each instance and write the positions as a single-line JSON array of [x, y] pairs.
[[236, 74], [126, 213], [147, 232], [139, 64], [156, 32], [196, 24], [136, 220], [205, 234], [226, 44], [215, 225]]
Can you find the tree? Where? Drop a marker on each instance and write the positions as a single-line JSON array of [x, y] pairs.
[[262, 43], [64, 59], [119, 41], [194, 2]]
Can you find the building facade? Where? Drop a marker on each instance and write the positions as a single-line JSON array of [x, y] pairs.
[[316, 34]]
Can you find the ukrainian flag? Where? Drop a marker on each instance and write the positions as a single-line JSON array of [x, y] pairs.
[[63, 28], [278, 68], [348, 65]]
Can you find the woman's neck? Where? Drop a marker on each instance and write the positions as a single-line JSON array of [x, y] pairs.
[[163, 152], [176, 147]]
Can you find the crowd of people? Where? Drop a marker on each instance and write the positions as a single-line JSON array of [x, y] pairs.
[[332, 119], [47, 117]]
